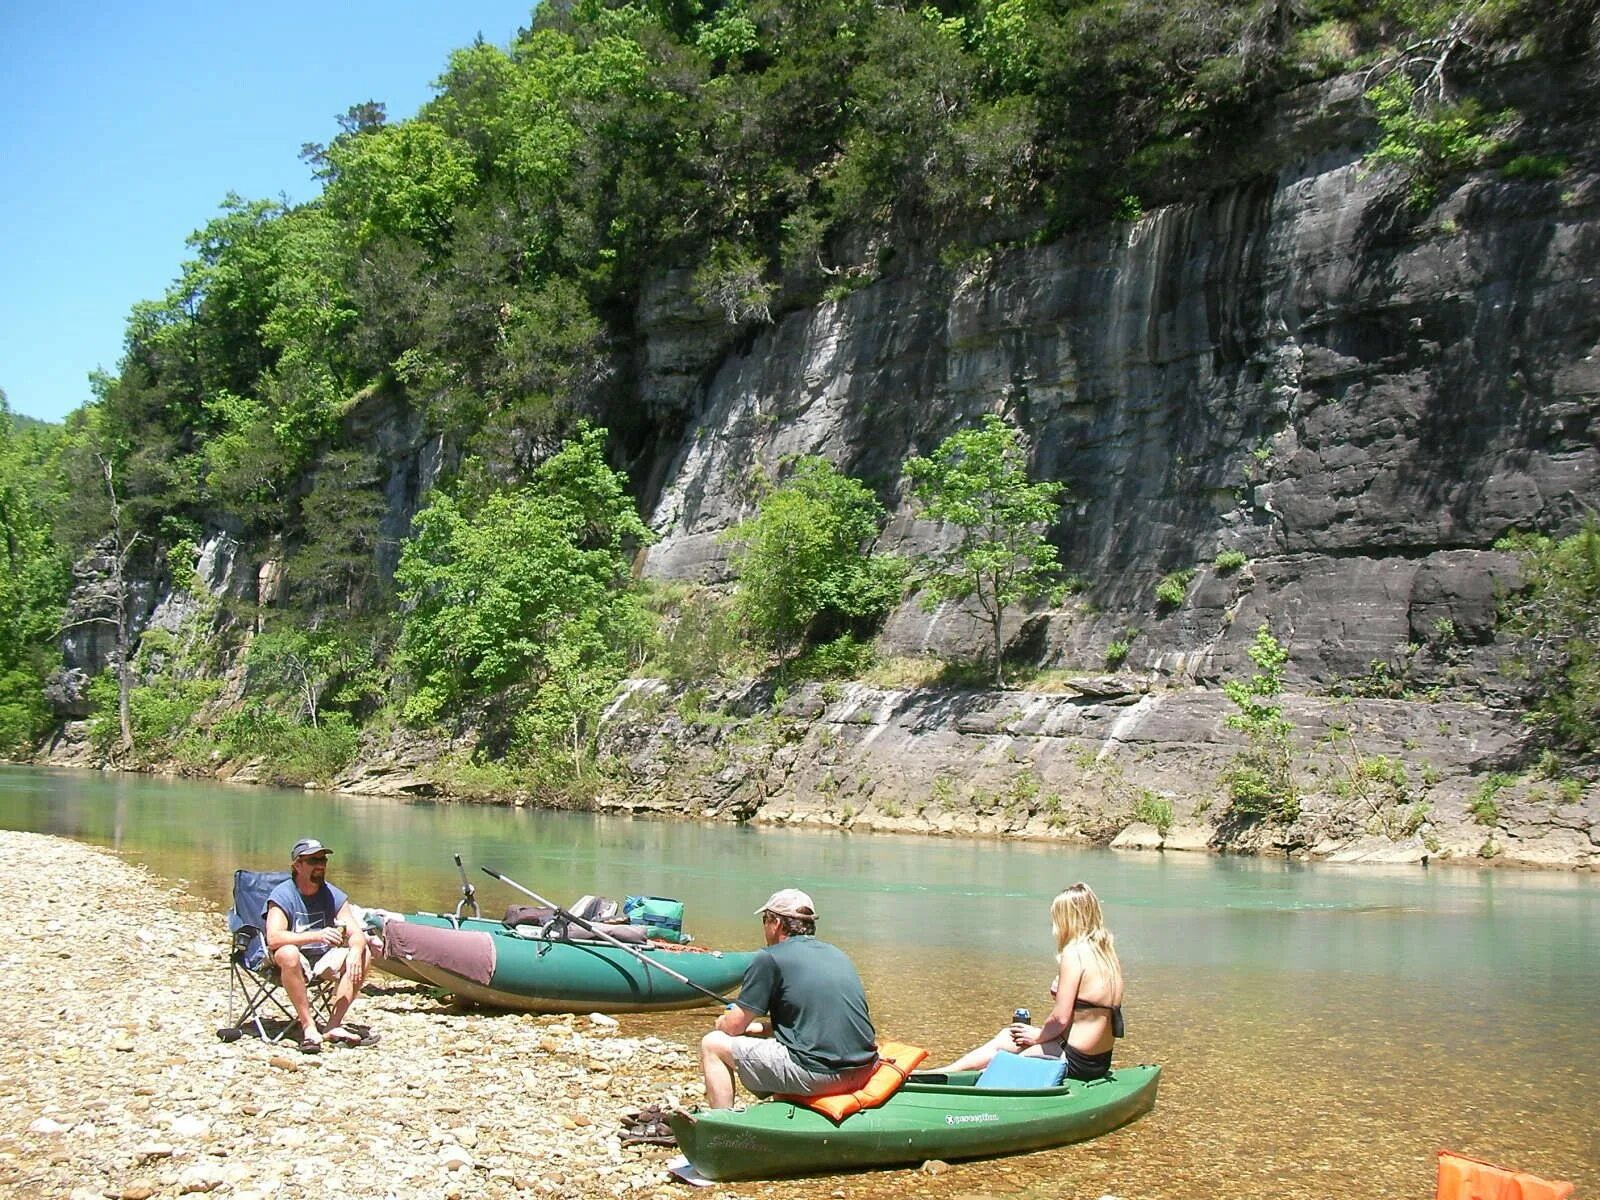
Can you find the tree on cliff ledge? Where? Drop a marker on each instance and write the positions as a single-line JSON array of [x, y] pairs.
[[977, 482]]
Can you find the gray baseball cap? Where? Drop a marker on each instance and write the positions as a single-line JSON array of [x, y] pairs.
[[306, 847]]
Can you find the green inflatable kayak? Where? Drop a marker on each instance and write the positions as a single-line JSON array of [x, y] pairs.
[[932, 1116], [481, 960]]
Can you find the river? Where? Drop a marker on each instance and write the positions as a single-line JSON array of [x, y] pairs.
[[1322, 1030]]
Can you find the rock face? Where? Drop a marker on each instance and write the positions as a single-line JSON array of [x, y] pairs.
[[1139, 769], [1358, 397]]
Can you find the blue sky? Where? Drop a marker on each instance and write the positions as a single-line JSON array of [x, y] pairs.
[[122, 127]]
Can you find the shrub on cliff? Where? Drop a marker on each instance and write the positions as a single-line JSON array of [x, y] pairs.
[[805, 562], [1554, 625], [1261, 780]]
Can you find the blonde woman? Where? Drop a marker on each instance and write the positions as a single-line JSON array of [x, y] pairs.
[[1086, 1016]]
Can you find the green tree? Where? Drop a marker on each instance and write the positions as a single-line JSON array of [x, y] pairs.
[[976, 482], [1553, 622], [400, 180], [1261, 779], [1428, 139], [522, 598], [804, 561], [340, 516], [33, 580], [312, 667]]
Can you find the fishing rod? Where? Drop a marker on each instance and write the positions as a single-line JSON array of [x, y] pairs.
[[721, 1001]]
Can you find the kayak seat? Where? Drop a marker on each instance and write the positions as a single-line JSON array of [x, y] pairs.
[[895, 1061], [1016, 1072]]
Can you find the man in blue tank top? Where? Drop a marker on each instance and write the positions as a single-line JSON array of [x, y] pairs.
[[312, 929], [822, 1041]]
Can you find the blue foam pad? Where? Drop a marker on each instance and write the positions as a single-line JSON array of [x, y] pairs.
[[1013, 1071]]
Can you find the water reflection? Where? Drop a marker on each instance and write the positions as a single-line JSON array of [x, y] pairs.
[[1323, 1030]]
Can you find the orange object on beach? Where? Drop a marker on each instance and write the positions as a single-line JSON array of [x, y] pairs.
[[895, 1062], [1463, 1178]]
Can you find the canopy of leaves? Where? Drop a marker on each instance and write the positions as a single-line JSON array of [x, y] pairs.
[[804, 560], [977, 483], [33, 579], [505, 595]]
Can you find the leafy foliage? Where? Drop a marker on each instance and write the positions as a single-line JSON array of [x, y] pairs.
[[977, 482], [804, 560], [1174, 586], [523, 599], [1426, 139], [33, 580], [1261, 780], [1553, 622]]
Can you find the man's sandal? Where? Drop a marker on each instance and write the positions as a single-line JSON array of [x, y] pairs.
[[341, 1036]]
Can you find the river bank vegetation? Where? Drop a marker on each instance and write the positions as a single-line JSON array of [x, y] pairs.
[[475, 272]]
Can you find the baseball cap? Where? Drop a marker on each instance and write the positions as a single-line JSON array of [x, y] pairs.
[[789, 902], [306, 847]]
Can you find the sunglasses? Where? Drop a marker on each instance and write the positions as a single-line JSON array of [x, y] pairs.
[[320, 860]]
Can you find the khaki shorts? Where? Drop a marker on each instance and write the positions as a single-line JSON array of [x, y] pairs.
[[766, 1067]]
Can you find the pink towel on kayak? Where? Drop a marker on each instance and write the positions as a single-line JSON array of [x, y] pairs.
[[461, 952]]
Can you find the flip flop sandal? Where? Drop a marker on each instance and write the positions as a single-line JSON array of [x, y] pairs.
[[351, 1037], [309, 1046]]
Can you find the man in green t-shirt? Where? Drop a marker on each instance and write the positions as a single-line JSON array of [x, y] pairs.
[[821, 1042]]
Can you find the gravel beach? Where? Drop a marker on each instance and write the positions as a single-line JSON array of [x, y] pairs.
[[114, 1082]]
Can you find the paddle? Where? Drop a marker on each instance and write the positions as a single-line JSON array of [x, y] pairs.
[[606, 937]]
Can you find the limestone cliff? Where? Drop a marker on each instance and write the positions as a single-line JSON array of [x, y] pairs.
[[1358, 397]]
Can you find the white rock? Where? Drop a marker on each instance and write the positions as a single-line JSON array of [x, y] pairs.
[[202, 1177], [190, 1126], [454, 1158], [46, 1125], [603, 1021]]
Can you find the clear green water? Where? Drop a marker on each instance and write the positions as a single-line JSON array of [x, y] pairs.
[[1323, 1030]]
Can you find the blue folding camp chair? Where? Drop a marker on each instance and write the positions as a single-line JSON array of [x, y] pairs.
[[255, 992]]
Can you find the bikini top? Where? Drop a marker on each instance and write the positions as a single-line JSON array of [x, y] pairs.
[[1114, 1009]]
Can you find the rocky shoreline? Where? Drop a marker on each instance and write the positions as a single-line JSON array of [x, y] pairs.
[[116, 1085], [1108, 760]]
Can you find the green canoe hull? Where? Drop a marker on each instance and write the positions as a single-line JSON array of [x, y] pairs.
[[531, 975], [931, 1117]]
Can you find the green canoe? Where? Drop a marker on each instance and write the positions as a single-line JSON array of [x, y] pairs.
[[484, 962], [932, 1116]]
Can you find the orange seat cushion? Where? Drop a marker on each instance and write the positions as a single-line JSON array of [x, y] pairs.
[[895, 1061]]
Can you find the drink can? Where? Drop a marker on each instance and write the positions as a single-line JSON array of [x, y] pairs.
[[1021, 1016]]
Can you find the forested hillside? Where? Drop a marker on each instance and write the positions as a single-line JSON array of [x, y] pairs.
[[384, 458]]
